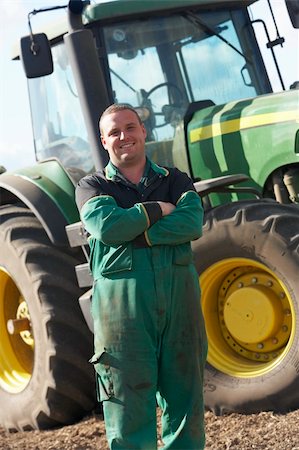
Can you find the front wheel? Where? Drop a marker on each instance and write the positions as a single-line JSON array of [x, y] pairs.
[[248, 263]]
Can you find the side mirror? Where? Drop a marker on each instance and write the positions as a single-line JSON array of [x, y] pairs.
[[36, 55], [293, 10]]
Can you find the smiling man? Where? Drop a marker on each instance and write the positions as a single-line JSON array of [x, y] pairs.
[[149, 334]]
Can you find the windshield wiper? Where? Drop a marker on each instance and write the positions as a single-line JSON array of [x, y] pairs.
[[122, 80], [195, 20]]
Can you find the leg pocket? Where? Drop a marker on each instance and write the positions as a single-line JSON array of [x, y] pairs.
[[104, 378]]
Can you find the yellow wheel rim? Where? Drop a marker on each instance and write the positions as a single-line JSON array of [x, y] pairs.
[[17, 344], [249, 316]]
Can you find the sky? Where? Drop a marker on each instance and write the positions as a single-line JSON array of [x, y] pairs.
[[16, 142]]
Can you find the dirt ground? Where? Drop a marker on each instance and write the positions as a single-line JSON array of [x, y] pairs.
[[263, 431]]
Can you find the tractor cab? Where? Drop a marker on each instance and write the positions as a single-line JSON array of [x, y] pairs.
[[166, 63]]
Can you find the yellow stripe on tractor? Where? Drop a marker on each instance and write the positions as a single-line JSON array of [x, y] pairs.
[[242, 123]]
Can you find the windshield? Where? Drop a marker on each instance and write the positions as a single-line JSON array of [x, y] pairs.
[[168, 62]]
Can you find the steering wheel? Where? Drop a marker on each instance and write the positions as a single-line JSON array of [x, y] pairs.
[[167, 108]]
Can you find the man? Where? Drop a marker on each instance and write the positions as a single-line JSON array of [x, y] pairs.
[[150, 342]]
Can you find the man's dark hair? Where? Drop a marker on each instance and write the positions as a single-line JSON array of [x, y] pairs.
[[115, 107]]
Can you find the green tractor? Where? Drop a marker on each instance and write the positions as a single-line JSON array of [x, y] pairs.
[[194, 71]]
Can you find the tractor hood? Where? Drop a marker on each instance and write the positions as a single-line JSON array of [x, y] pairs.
[[252, 136]]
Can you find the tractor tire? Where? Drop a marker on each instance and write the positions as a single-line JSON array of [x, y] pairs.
[[248, 262], [45, 378]]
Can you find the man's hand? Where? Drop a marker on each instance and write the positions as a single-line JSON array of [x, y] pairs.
[[166, 208]]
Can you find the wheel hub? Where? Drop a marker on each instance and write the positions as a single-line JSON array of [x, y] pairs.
[[254, 316]]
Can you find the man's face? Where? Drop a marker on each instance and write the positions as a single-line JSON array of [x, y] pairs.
[[123, 137]]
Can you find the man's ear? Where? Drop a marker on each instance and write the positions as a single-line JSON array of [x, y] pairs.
[[103, 142], [144, 130]]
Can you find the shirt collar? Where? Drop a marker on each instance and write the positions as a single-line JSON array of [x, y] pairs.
[[112, 172]]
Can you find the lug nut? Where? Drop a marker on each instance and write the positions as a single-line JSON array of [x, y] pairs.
[[15, 326]]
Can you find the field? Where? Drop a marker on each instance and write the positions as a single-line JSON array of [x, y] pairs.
[[263, 431]]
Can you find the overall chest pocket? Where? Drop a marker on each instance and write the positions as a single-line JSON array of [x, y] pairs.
[[183, 255], [117, 259]]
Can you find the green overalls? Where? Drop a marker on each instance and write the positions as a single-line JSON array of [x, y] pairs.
[[150, 342]]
